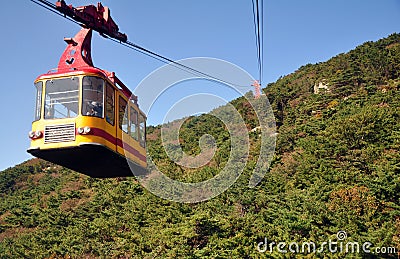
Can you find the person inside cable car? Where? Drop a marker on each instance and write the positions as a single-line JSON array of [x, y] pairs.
[[95, 109], [93, 96], [49, 112]]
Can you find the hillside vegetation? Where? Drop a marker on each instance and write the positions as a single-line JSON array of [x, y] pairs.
[[336, 168]]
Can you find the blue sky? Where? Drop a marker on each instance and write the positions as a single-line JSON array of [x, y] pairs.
[[295, 33]]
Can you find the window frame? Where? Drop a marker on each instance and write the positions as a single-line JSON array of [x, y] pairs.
[[54, 103], [38, 101], [121, 118], [102, 114], [142, 140], [106, 103], [133, 113]]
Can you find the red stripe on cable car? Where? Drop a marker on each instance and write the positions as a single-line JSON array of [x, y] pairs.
[[116, 141], [130, 149], [102, 133]]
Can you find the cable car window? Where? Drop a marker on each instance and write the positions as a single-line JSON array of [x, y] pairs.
[[92, 96], [142, 130], [110, 115], [134, 124], [123, 116], [38, 107], [61, 98]]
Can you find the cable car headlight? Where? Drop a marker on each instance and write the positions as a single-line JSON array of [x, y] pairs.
[[80, 130], [84, 130], [31, 134], [38, 134], [35, 134]]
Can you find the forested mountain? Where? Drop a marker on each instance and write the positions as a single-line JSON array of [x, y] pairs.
[[336, 168]]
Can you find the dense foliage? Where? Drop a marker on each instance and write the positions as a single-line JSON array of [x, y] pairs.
[[336, 168]]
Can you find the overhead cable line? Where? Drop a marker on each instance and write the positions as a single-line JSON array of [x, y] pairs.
[[258, 34], [172, 62], [51, 7], [262, 37]]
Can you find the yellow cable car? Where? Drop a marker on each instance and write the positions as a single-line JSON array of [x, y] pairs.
[[86, 119]]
